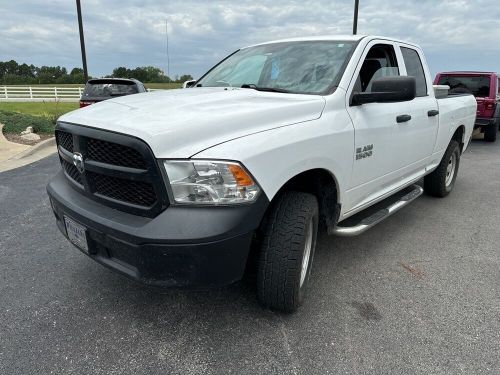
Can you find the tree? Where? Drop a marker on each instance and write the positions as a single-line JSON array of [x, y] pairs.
[[76, 71], [23, 74], [183, 78], [120, 72]]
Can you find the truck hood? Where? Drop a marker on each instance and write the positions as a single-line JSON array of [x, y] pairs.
[[181, 123]]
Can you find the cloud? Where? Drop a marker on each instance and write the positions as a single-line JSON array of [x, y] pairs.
[[455, 34]]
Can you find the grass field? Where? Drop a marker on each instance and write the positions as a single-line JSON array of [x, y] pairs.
[[164, 86], [45, 109], [16, 116]]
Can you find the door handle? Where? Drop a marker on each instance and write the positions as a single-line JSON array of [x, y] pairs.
[[403, 118], [432, 113]]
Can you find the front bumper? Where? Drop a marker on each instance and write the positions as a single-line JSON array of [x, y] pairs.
[[181, 247]]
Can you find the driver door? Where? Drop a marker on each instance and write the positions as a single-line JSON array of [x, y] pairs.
[[376, 130]]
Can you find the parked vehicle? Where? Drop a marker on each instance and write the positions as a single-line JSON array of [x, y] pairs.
[[99, 89], [275, 143], [485, 86]]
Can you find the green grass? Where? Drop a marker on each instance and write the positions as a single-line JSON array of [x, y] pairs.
[[15, 122], [17, 116], [165, 86], [45, 109]]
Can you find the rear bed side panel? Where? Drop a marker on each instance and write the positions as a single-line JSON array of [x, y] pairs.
[[454, 111]]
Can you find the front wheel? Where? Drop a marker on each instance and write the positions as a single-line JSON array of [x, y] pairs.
[[440, 182], [287, 251]]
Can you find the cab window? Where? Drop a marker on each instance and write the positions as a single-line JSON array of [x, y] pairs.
[[380, 61]]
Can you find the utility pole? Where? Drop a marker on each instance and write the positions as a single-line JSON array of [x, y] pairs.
[[355, 22], [168, 56], [82, 41]]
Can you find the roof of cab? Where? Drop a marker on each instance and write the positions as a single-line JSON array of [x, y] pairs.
[[347, 38]]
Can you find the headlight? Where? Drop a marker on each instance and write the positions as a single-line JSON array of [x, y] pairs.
[[210, 182]]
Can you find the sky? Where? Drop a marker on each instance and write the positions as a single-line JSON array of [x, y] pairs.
[[455, 34]]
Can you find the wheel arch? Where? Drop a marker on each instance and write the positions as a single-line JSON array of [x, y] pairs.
[[324, 186], [459, 136]]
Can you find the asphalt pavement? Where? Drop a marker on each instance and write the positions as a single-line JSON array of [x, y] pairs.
[[417, 294]]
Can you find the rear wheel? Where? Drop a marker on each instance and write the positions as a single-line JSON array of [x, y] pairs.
[[287, 251], [490, 133], [440, 182]]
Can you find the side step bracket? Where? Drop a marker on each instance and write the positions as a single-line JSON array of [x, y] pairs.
[[377, 217]]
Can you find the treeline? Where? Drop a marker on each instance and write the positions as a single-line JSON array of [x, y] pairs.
[[148, 74], [12, 73]]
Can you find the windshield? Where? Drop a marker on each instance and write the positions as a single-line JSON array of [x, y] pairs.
[[109, 89], [478, 86], [311, 67]]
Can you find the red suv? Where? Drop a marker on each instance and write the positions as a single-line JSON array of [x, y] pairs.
[[485, 86]]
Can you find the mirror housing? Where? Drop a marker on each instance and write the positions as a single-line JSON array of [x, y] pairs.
[[388, 90], [188, 84]]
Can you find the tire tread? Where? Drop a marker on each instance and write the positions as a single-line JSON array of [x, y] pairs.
[[281, 252]]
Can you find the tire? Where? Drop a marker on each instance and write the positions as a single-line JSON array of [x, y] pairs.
[[287, 251], [440, 182], [490, 133]]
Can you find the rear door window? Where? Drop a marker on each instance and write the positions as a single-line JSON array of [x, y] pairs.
[[479, 85], [415, 69]]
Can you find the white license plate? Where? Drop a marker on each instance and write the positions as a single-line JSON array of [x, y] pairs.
[[77, 233]]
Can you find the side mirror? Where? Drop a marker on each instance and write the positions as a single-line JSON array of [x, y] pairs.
[[387, 90], [188, 84]]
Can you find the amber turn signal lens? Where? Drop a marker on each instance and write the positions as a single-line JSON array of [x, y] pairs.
[[242, 178]]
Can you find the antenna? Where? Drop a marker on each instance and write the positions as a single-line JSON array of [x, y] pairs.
[[168, 56]]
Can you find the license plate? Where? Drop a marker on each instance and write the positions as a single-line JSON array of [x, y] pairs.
[[77, 233]]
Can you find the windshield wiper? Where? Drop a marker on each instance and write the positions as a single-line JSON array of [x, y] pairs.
[[268, 89]]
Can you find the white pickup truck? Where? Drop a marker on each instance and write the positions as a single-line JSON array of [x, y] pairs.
[[277, 142]]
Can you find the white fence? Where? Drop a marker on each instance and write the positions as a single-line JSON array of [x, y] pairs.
[[40, 93]]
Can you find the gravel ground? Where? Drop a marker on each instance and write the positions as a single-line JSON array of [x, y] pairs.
[[11, 137], [418, 294]]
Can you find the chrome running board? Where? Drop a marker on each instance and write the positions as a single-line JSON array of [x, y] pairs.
[[377, 217]]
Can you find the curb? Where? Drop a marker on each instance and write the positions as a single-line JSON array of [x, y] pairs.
[[50, 142], [2, 137], [29, 155]]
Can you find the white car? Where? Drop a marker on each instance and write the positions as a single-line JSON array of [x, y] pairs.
[[277, 142]]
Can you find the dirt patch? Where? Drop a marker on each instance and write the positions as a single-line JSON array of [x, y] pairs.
[[16, 138], [414, 271]]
